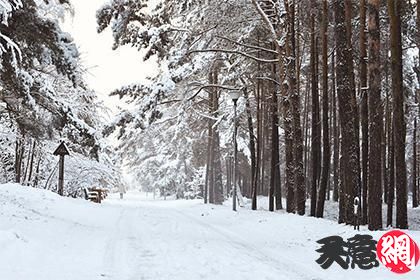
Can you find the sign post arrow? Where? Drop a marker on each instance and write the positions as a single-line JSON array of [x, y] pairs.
[[61, 151]]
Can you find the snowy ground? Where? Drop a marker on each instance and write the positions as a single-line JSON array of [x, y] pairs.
[[43, 237], [331, 211]]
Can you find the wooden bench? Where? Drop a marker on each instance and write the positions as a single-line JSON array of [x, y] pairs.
[[95, 194], [91, 195]]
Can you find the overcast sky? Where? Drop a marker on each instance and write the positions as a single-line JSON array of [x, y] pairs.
[[107, 69]]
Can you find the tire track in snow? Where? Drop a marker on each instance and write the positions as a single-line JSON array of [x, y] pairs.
[[245, 247], [112, 242], [156, 243]]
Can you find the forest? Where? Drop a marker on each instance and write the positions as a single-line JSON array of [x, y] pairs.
[[326, 111]]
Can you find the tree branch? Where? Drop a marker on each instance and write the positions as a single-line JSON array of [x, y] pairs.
[[267, 22], [248, 46], [235, 52], [269, 79], [211, 86]]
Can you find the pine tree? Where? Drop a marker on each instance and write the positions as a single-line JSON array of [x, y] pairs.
[[364, 117], [375, 120], [347, 114], [326, 155], [399, 126], [316, 125]]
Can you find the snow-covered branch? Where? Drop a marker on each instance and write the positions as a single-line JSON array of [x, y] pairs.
[[257, 59]]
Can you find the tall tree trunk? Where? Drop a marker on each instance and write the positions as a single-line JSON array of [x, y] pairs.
[[336, 132], [414, 169], [415, 183], [307, 157], [228, 175], [211, 97], [289, 170], [36, 177], [348, 114], [364, 109], [391, 186], [384, 169], [294, 95], [394, 10], [258, 163], [341, 190], [316, 129], [390, 140], [217, 162], [275, 187], [207, 180], [387, 126], [252, 151], [264, 120], [418, 183], [218, 174], [294, 191], [28, 160], [375, 120], [31, 164], [306, 136], [326, 155], [415, 201], [19, 155]]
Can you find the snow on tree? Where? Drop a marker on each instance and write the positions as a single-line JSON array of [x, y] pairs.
[[7, 7], [187, 38], [44, 99]]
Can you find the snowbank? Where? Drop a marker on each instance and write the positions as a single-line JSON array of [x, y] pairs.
[[44, 236]]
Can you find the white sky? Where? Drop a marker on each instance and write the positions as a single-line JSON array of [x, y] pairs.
[[107, 69]]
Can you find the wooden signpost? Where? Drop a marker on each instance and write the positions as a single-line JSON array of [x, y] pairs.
[[61, 151]]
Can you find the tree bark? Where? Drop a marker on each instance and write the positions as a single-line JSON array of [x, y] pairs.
[[289, 182], [218, 197], [264, 140], [394, 10], [252, 151], [258, 163], [218, 174], [336, 132], [19, 155], [375, 120], [275, 187], [210, 161], [28, 161], [391, 186], [415, 201], [347, 113], [364, 109], [326, 155], [315, 127], [294, 95], [31, 164], [294, 191]]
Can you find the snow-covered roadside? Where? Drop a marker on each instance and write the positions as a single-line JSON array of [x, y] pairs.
[[331, 211], [43, 236], [49, 237]]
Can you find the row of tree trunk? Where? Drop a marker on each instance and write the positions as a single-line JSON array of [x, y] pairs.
[[335, 164]]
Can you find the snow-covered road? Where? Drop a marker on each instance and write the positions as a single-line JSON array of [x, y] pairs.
[[43, 236], [154, 242]]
